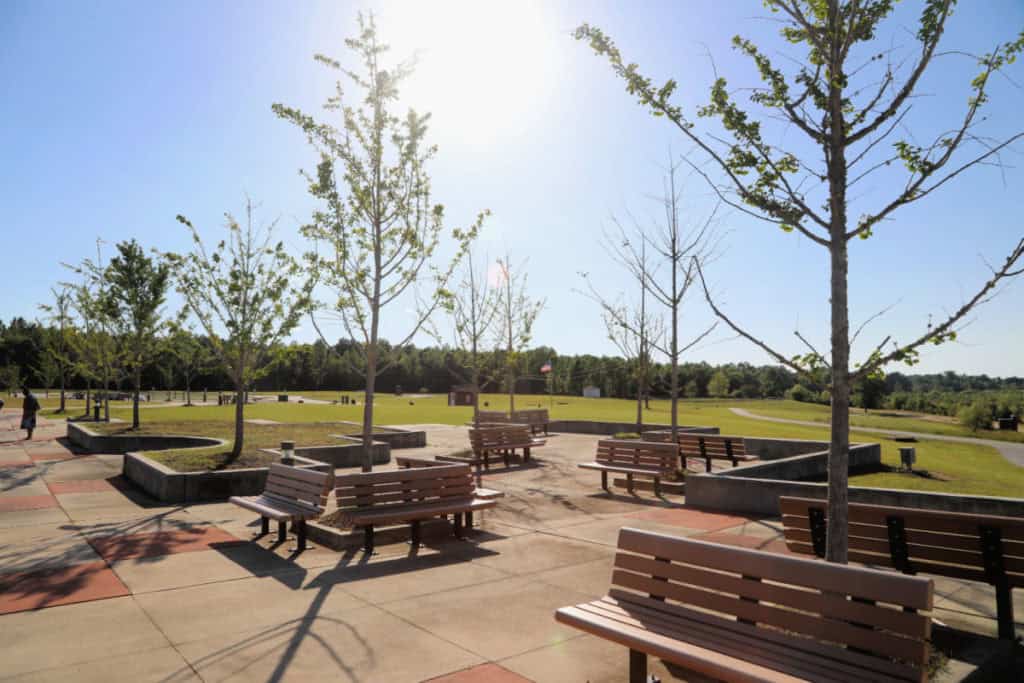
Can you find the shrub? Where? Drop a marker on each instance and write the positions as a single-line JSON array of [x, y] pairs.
[[799, 392], [976, 416]]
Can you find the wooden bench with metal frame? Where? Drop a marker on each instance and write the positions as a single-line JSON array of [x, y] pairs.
[[707, 447], [634, 458], [291, 494], [535, 418], [369, 499], [503, 440], [984, 548], [736, 614]]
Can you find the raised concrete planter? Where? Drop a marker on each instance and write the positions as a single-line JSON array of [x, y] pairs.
[[171, 486], [755, 489], [79, 434], [611, 428], [346, 454], [394, 437]]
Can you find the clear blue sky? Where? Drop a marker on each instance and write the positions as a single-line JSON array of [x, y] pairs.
[[117, 116]]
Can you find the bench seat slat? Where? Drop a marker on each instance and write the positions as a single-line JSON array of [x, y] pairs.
[[625, 469], [741, 638], [274, 508], [388, 476]]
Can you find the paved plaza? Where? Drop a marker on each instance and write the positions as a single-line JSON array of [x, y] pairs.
[[98, 582]]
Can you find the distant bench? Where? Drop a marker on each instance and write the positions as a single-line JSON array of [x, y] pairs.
[[634, 458], [707, 447], [535, 418], [498, 440], [983, 548], [744, 615], [368, 499], [291, 494]]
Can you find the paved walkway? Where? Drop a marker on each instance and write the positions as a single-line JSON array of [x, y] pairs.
[[1014, 452], [99, 582]]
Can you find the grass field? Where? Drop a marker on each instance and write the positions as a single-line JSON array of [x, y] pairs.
[[960, 468]]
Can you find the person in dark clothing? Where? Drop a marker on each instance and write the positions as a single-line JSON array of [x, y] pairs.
[[29, 408]]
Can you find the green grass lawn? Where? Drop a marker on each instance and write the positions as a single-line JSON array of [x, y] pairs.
[[883, 419], [960, 468]]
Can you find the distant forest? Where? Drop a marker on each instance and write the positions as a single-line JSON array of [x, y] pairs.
[[28, 356]]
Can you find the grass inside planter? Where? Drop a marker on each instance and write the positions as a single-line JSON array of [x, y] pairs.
[[257, 437]]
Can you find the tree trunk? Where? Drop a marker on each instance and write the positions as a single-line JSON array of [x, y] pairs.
[[62, 406], [839, 446], [137, 380], [236, 449], [88, 397], [371, 384]]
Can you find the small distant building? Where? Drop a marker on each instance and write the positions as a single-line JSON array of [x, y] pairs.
[[591, 392], [463, 395]]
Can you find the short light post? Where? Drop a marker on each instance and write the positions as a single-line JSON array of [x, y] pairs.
[[287, 452]]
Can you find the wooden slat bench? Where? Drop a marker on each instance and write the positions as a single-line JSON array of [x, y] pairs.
[[536, 418], [710, 447], [502, 440], [490, 418], [744, 615], [368, 499], [291, 494], [630, 457], [983, 548]]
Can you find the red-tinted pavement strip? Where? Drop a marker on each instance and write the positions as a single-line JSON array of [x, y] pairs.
[[771, 545], [689, 518], [21, 503], [492, 673], [136, 546], [50, 454], [51, 587], [82, 486]]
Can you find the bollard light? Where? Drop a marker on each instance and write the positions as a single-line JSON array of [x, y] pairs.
[[287, 452]]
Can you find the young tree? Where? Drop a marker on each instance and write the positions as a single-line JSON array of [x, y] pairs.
[[681, 250], [242, 296], [97, 351], [57, 344], [849, 100], [633, 329], [719, 384], [516, 315], [138, 289], [377, 231], [474, 312]]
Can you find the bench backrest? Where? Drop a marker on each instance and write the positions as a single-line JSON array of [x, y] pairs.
[[531, 416], [403, 487], [295, 484], [982, 548], [643, 454], [715, 445], [498, 437], [830, 612], [492, 416]]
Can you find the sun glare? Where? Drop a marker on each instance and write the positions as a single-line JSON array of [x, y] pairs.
[[482, 66]]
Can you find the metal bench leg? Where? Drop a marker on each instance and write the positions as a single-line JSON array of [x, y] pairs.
[[629, 482], [457, 517], [368, 539], [282, 532], [638, 668], [657, 486], [526, 455], [469, 520], [604, 480], [1004, 610], [414, 533], [506, 456], [264, 526], [300, 530]]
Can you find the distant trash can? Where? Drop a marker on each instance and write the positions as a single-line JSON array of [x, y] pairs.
[[908, 456], [282, 398]]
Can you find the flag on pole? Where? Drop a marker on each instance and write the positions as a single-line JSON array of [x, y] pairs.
[[546, 367]]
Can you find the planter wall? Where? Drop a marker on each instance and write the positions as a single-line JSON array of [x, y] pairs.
[[80, 435], [611, 428], [170, 486]]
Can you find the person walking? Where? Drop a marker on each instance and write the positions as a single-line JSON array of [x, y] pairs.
[[29, 408]]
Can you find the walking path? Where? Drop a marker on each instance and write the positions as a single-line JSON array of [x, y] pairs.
[[1014, 452]]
